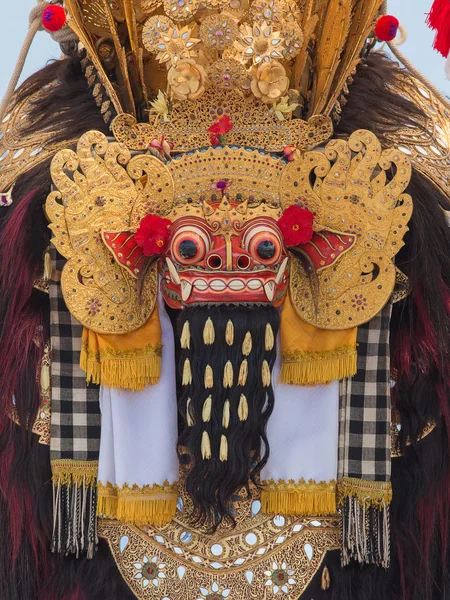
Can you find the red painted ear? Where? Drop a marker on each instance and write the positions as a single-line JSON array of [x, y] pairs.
[[325, 247], [125, 250]]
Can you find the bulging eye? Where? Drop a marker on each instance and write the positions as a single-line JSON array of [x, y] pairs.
[[190, 245], [264, 245]]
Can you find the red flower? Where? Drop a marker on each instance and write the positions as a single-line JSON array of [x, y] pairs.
[[296, 225], [219, 129], [153, 234], [386, 28]]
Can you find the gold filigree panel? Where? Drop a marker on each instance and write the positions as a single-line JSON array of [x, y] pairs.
[[352, 187], [263, 557], [97, 187], [254, 125]]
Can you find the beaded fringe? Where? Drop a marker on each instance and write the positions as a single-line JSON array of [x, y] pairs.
[[74, 517], [366, 525]]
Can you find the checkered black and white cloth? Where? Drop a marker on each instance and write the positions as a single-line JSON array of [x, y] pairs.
[[75, 425], [364, 469], [365, 407], [75, 431]]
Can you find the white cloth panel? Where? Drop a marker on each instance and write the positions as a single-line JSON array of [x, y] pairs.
[[303, 432], [139, 429]]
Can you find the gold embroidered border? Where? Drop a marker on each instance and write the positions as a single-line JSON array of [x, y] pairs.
[[139, 505], [74, 472], [299, 497], [313, 368], [368, 493]]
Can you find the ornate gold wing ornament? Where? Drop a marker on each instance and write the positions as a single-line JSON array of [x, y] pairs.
[[357, 191]]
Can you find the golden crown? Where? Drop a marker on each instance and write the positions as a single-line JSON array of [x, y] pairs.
[[189, 62]]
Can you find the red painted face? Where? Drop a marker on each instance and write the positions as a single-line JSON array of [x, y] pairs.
[[243, 264]]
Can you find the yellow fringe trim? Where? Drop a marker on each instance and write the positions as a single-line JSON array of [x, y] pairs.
[[299, 497], [369, 493], [74, 472], [130, 370], [145, 505], [314, 368]]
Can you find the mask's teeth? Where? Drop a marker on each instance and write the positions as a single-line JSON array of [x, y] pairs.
[[186, 289], [281, 271], [173, 272], [269, 288]]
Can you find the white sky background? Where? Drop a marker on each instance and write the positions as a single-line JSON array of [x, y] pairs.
[[412, 14]]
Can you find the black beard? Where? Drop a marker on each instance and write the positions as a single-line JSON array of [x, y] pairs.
[[220, 468]]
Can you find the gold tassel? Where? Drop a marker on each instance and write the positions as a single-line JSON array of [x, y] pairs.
[[226, 414], [228, 375], [207, 408], [308, 499], [243, 408], [206, 446], [223, 448], [229, 333], [243, 373], [47, 266], [269, 338], [247, 344], [265, 374], [186, 336], [187, 374], [209, 377], [208, 332], [189, 419]]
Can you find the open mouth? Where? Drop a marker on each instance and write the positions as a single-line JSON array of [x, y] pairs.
[[252, 287]]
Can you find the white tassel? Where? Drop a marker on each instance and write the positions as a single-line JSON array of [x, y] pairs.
[[209, 333], [186, 336], [243, 373], [187, 374], [45, 378], [247, 344], [269, 341], [206, 446], [209, 377], [243, 408], [47, 266], [189, 419], [228, 375], [226, 414], [447, 67], [265, 373], [229, 333], [223, 448], [207, 408]]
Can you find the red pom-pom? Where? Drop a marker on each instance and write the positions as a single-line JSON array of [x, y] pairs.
[[386, 28], [296, 225], [54, 17], [153, 234]]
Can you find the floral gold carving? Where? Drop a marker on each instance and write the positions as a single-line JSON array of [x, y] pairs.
[[179, 562], [355, 188]]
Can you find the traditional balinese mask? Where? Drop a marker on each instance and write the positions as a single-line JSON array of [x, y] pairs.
[[225, 259]]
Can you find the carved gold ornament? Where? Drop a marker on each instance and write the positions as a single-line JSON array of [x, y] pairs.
[[254, 125], [357, 191], [264, 556], [97, 189]]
